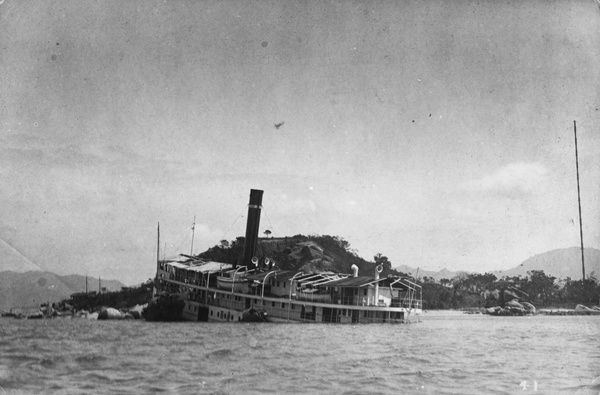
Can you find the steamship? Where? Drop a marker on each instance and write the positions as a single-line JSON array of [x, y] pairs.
[[256, 290]]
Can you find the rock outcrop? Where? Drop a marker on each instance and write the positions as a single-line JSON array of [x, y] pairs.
[[512, 307], [309, 256]]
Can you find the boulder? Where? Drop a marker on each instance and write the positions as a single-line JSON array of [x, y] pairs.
[[529, 307], [108, 313], [135, 314], [508, 295], [493, 310], [516, 310], [514, 303], [92, 316], [138, 308], [495, 294], [504, 312]]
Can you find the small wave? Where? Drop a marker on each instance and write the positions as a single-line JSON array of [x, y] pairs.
[[18, 359], [90, 359], [220, 354], [95, 376], [50, 362]]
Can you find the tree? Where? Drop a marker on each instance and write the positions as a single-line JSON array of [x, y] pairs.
[[540, 286], [581, 291], [445, 282], [267, 233], [474, 282], [383, 261]]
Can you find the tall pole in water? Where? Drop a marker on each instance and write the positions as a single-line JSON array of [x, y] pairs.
[[579, 201], [158, 249], [193, 228]]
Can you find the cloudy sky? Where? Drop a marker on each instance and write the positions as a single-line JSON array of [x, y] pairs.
[[438, 133]]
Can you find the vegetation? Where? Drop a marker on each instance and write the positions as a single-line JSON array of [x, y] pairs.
[[127, 297], [462, 291], [336, 251], [476, 290]]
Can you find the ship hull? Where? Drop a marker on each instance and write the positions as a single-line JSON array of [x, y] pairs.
[[217, 305]]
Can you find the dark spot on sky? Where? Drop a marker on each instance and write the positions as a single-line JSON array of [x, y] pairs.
[[57, 44], [413, 121], [53, 56], [264, 44], [42, 281]]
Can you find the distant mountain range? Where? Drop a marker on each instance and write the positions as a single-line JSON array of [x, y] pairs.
[[561, 263], [32, 288], [437, 276]]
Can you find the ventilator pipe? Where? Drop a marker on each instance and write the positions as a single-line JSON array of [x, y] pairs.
[[354, 270], [378, 270]]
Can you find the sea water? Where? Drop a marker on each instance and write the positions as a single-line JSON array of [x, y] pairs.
[[443, 354]]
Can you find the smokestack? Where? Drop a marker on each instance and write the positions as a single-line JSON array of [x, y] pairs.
[[252, 225]]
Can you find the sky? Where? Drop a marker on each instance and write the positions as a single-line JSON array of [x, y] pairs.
[[438, 133]]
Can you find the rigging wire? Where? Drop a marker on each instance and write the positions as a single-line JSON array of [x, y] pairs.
[[231, 226], [270, 224], [178, 249]]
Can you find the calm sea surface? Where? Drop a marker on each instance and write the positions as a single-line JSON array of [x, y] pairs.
[[443, 354]]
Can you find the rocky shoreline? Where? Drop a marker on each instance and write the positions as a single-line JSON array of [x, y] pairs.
[[514, 308]]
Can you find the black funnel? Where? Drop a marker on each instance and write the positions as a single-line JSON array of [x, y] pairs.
[[252, 225]]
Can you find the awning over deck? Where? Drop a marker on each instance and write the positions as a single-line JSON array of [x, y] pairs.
[[354, 282], [204, 267], [366, 281], [279, 275]]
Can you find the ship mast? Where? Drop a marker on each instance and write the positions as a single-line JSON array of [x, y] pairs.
[[158, 249], [579, 201], [193, 229]]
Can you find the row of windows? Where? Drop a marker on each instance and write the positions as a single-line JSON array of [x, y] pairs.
[[223, 315], [264, 303]]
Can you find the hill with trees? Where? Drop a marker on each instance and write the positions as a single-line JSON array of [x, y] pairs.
[[308, 253]]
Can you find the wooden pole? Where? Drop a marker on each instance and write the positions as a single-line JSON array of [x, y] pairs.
[[579, 201], [158, 249], [193, 229]]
